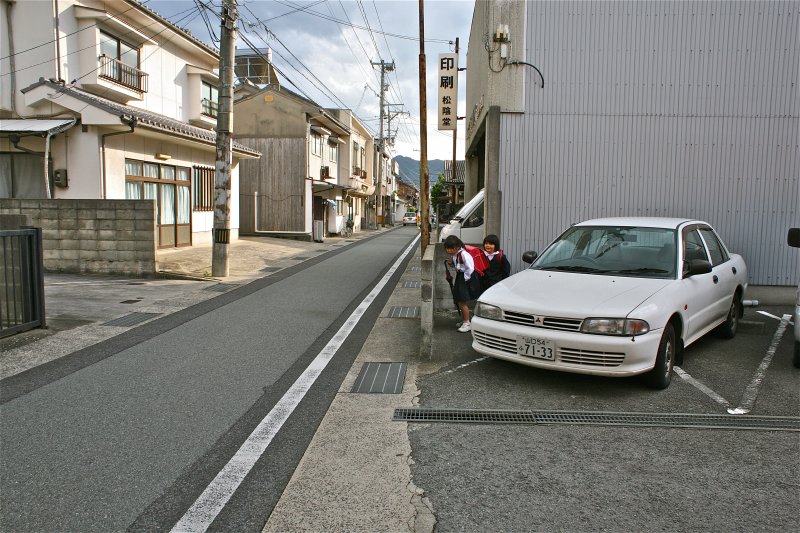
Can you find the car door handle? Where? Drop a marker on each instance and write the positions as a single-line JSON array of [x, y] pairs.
[[716, 279]]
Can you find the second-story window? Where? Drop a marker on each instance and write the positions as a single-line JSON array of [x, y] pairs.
[[316, 144], [333, 152], [210, 99], [356, 167], [120, 62]]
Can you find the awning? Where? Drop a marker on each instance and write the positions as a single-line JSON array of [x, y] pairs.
[[320, 130], [322, 186], [29, 126]]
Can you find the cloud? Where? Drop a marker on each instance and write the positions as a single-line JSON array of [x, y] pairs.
[[339, 55]]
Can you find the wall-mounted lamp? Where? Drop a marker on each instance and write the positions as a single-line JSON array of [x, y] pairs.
[[501, 35], [163, 157]]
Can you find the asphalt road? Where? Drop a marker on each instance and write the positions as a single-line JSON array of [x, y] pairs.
[[128, 433], [484, 477]]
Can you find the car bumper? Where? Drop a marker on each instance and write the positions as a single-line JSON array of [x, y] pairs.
[[599, 355]]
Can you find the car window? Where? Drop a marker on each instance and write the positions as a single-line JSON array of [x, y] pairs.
[[715, 248], [475, 219], [693, 246], [626, 251]]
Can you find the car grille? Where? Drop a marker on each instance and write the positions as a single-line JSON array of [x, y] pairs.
[[564, 355], [547, 322], [590, 357]]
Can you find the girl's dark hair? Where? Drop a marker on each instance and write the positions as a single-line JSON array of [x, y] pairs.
[[492, 239], [453, 242]]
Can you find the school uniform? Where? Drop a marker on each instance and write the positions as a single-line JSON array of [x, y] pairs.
[[465, 275], [499, 269]]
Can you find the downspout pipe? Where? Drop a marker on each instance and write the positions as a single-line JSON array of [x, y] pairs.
[[132, 123]]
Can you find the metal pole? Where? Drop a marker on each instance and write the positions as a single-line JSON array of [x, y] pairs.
[[222, 171], [379, 207], [455, 131], [424, 186]]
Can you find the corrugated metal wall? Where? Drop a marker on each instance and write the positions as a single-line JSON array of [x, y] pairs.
[[659, 109]]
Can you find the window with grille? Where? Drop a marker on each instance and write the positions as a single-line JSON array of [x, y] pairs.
[[203, 197]]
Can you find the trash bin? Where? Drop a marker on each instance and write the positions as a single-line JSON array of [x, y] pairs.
[[318, 231]]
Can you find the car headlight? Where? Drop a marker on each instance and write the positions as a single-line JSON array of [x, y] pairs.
[[615, 326], [491, 312]]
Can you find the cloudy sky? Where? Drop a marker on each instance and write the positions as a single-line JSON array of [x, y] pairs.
[[325, 48]]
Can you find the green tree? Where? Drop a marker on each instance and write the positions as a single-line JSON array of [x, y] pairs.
[[438, 193]]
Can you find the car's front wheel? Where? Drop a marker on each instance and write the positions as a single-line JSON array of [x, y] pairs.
[[661, 375], [728, 328]]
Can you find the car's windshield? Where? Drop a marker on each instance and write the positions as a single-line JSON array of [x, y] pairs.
[[609, 250], [468, 207], [410, 215]]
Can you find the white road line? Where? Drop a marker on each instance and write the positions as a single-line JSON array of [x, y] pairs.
[[750, 394], [702, 387], [459, 367], [769, 315], [203, 511]]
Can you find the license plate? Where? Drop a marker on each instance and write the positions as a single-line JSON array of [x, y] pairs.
[[538, 348]]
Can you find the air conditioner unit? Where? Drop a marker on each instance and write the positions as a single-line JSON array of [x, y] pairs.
[[325, 172], [356, 171], [363, 174]]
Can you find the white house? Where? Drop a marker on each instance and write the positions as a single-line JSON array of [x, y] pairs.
[[109, 100], [578, 110]]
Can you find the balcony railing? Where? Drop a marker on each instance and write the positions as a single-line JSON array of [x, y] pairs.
[[115, 70], [210, 107]]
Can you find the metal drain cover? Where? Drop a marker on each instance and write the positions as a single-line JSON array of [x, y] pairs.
[[381, 378], [130, 320], [411, 284], [415, 269], [404, 311], [671, 420]]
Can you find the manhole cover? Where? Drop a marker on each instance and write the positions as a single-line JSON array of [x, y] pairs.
[[131, 319], [381, 378]]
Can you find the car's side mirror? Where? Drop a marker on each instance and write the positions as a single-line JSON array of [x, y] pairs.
[[793, 238], [529, 257], [697, 266]]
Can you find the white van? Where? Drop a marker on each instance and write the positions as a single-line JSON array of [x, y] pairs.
[[468, 223]]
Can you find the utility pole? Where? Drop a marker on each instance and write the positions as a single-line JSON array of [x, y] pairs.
[[455, 131], [385, 67], [424, 186], [222, 167]]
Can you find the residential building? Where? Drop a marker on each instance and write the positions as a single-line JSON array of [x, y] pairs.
[[313, 165], [106, 100], [406, 197], [578, 110]]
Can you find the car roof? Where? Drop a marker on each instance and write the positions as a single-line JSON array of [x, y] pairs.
[[647, 222]]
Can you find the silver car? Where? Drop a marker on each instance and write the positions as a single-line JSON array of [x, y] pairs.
[[793, 239]]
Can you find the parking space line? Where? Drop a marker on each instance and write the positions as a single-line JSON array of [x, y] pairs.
[[459, 367], [702, 387], [768, 314], [750, 394]]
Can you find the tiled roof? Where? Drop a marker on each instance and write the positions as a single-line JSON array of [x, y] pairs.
[[143, 117], [448, 172]]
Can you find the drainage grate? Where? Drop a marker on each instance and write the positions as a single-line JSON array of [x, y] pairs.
[[221, 287], [131, 319], [404, 311], [411, 284], [415, 269], [382, 378], [271, 269], [672, 420]]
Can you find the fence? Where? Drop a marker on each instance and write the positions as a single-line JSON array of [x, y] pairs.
[[21, 281]]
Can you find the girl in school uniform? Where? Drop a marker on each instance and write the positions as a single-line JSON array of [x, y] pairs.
[[499, 267], [465, 276]]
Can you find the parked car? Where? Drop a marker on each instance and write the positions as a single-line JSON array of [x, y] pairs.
[[793, 239], [615, 297], [410, 217], [467, 223]]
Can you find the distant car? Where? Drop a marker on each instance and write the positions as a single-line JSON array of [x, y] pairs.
[[615, 297], [410, 218], [793, 239]]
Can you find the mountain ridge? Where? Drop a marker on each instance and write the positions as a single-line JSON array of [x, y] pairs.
[[409, 169]]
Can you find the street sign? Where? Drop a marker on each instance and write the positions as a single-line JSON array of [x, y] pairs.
[[448, 91]]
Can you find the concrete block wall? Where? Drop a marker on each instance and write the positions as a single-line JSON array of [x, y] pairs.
[[93, 236]]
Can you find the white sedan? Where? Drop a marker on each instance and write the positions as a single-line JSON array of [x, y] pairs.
[[614, 297]]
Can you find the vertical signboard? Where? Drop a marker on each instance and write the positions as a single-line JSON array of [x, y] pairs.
[[448, 91]]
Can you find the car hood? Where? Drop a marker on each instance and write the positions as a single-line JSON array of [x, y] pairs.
[[572, 295]]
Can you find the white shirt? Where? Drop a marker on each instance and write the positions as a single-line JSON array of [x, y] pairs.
[[465, 264]]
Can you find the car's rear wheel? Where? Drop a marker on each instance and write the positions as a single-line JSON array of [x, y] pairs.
[[661, 375], [728, 328]]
